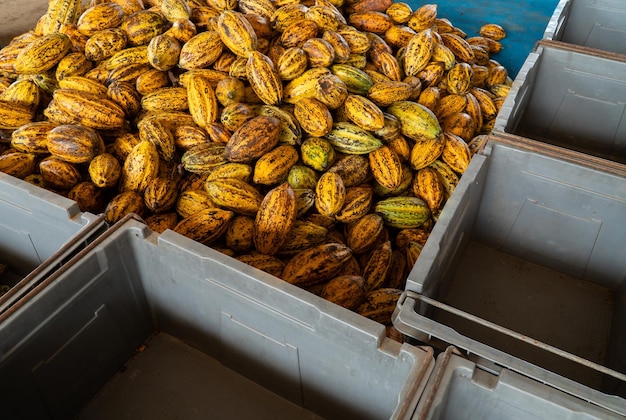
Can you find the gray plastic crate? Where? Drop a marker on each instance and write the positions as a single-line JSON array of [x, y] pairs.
[[141, 325], [459, 389], [39, 230], [599, 24], [526, 267], [570, 97]]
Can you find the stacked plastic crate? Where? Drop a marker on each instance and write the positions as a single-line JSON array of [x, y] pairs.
[[525, 271]]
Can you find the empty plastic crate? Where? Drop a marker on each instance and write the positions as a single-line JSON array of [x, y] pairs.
[[39, 230], [526, 267], [140, 325], [571, 98], [599, 24], [459, 389]]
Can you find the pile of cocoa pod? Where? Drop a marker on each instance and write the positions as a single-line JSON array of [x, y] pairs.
[[317, 140]]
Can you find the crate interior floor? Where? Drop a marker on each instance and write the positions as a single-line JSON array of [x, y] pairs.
[[171, 380], [546, 305]]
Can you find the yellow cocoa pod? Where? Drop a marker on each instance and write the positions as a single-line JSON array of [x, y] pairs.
[[140, 167], [423, 17], [403, 212], [236, 33], [291, 63], [399, 12], [379, 304], [123, 144], [430, 98], [22, 92], [253, 139], [201, 51], [390, 130], [160, 135], [326, 18], [60, 12], [370, 21], [32, 137], [290, 132], [166, 99], [234, 194], [183, 29], [74, 143], [461, 49], [339, 44], [58, 174], [456, 153], [305, 200], [428, 187], [205, 226], [229, 90], [161, 194], [105, 170], [203, 157], [357, 40], [357, 203], [273, 167], [99, 17], [93, 111], [104, 44], [233, 116], [450, 104], [17, 164], [316, 264], [298, 32], [304, 86], [42, 54], [73, 64], [485, 99], [160, 222], [418, 122], [186, 136], [386, 167], [240, 171], [174, 10], [264, 8], [398, 271], [239, 235], [127, 56], [302, 177], [353, 169], [88, 196], [192, 201], [83, 84], [123, 204], [449, 179], [433, 74], [202, 101], [319, 52], [493, 31], [425, 152], [303, 234], [150, 81], [287, 14], [164, 52], [459, 79], [126, 96], [346, 290], [378, 264], [387, 92], [330, 194], [271, 231], [364, 113], [317, 153], [401, 147], [142, 26], [472, 108], [263, 78], [313, 116], [460, 124], [268, 263], [389, 66], [477, 144], [399, 35], [363, 234]]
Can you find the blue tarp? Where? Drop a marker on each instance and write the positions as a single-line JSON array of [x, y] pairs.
[[523, 20]]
